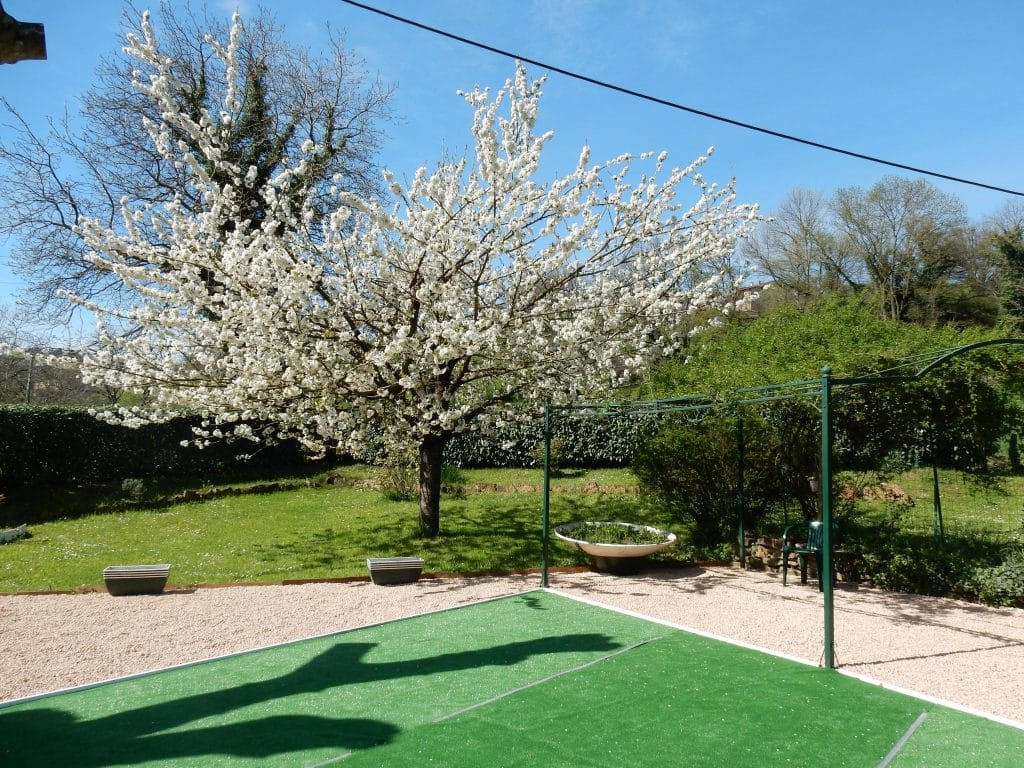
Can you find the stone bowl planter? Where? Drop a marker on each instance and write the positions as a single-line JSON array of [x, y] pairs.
[[617, 557], [394, 570], [136, 579]]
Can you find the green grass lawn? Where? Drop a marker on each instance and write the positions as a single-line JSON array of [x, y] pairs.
[[328, 531], [315, 533], [966, 504]]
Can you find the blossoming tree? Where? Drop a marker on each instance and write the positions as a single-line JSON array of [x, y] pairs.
[[478, 288]]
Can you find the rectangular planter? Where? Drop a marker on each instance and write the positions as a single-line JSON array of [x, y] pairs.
[[13, 533], [136, 579], [394, 570]]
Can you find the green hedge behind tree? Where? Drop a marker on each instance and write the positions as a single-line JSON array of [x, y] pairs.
[[63, 445], [44, 445], [585, 441]]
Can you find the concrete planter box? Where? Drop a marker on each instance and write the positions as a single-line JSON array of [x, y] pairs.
[[13, 533], [394, 570], [136, 579]]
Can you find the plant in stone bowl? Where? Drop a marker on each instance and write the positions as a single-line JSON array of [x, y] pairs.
[[616, 547]]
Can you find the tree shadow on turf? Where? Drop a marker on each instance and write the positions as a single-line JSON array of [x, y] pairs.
[[52, 737], [163, 731]]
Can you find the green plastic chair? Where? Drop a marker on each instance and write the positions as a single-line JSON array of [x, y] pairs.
[[803, 539]]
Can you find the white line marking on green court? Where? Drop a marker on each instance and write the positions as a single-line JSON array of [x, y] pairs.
[[903, 741], [337, 759], [500, 696]]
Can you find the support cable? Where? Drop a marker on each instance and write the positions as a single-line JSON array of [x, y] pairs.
[[678, 106]]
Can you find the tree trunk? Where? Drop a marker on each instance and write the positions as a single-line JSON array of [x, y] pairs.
[[431, 455]]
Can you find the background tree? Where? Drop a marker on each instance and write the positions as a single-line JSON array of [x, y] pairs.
[[281, 97], [480, 288], [970, 296], [902, 240], [1005, 250], [28, 378], [908, 236], [798, 249]]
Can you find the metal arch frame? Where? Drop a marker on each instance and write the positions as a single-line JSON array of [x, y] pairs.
[[821, 388], [937, 362], [827, 385], [688, 403]]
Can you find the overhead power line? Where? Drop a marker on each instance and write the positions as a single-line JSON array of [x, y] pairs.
[[676, 105]]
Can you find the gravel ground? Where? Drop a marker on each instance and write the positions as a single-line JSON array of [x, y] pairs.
[[958, 652]]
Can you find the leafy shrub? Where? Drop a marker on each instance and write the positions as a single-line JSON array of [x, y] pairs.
[[1001, 584], [692, 470], [905, 570], [719, 553], [612, 533], [556, 457], [1013, 454], [399, 474], [905, 563], [453, 481], [134, 488], [399, 478]]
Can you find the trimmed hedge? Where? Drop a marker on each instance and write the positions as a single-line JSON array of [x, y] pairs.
[[43, 445], [63, 445], [583, 441]]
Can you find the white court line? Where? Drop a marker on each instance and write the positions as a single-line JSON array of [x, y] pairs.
[[506, 694], [855, 675], [903, 741], [934, 699], [337, 759]]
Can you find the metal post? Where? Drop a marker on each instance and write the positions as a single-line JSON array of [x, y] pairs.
[[826, 515], [740, 500], [547, 496], [933, 450]]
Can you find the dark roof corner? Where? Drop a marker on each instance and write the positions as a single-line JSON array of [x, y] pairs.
[[20, 40]]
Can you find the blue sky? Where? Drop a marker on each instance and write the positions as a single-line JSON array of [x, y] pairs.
[[934, 85]]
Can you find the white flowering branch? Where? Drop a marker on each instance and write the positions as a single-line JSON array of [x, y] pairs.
[[480, 287]]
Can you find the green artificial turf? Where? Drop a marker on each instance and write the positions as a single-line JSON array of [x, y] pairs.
[[302, 703], [683, 700], [532, 680]]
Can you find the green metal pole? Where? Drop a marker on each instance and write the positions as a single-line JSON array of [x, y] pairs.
[[826, 515], [740, 500], [933, 449], [547, 496]]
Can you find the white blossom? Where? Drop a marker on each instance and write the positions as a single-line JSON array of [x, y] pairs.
[[478, 288]]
